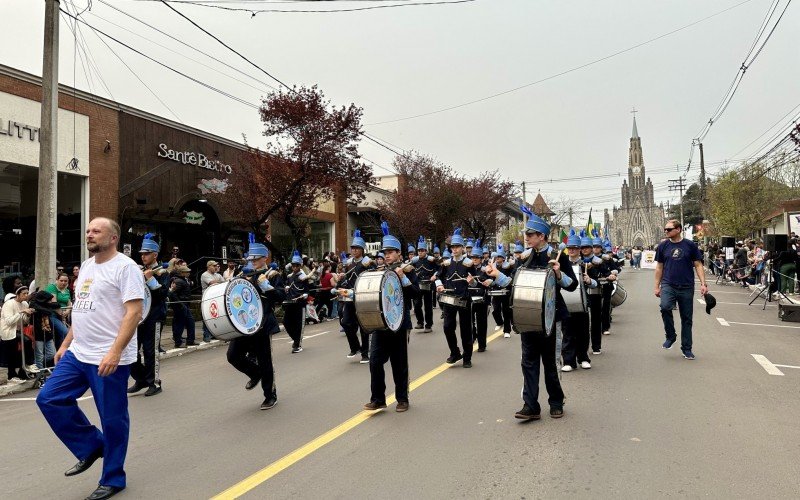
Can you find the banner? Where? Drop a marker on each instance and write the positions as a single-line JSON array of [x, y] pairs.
[[648, 259]]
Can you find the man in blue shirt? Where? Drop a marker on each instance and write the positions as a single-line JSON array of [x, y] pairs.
[[676, 258]]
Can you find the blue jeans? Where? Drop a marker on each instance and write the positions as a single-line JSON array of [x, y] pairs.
[[685, 299], [182, 319], [44, 352], [60, 330], [58, 402]]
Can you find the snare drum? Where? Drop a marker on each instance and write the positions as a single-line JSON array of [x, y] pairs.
[[425, 286], [379, 301], [533, 300], [576, 299], [619, 295], [498, 293], [232, 309], [477, 300], [452, 300], [147, 303]]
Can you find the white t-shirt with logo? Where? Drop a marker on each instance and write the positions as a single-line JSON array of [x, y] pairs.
[[101, 291]]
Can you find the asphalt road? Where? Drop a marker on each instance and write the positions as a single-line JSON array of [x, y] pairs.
[[643, 422]]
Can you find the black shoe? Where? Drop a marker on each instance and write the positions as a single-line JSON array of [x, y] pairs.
[[252, 383], [372, 405], [152, 390], [191, 344], [138, 386], [453, 358], [104, 492], [556, 412], [352, 354], [419, 326], [84, 465], [180, 346], [364, 360], [481, 349], [467, 364], [527, 413], [269, 403]]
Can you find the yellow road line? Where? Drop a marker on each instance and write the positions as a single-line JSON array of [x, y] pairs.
[[307, 449]]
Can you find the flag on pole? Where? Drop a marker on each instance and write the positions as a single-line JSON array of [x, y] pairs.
[[589, 225], [563, 236]]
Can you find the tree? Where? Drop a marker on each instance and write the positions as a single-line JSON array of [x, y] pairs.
[[692, 206], [311, 156], [741, 198], [484, 199]]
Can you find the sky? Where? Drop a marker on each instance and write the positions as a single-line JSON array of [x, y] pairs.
[[407, 61]]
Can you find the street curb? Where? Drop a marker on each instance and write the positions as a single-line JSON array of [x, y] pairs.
[[9, 389]]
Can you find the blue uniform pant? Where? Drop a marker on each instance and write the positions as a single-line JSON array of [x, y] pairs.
[[58, 402]]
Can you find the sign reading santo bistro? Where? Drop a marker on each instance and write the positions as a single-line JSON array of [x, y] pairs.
[[192, 158]]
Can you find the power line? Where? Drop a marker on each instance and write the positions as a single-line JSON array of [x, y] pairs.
[[562, 73], [254, 12]]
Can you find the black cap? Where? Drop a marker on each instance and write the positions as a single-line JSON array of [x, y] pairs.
[[711, 302]]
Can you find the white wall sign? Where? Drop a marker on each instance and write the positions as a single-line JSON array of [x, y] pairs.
[[193, 158], [20, 119]]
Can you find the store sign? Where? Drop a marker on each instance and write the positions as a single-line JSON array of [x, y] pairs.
[[193, 217], [22, 131], [193, 158]]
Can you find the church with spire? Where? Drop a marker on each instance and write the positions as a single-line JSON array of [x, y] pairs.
[[638, 221]]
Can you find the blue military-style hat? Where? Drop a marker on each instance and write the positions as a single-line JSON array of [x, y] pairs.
[[607, 245], [476, 251], [447, 253], [255, 250], [296, 257], [596, 240], [421, 245], [457, 239], [518, 248], [411, 249], [501, 252], [535, 223], [358, 241], [586, 241], [389, 241], [149, 244], [436, 249], [573, 240]]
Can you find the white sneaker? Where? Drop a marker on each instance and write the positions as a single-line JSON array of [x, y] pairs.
[[566, 368], [15, 380], [507, 335], [607, 332], [598, 352], [585, 365], [498, 328]]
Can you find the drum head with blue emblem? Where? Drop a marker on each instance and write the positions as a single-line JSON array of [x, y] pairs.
[[243, 305], [549, 302], [146, 304], [392, 305]]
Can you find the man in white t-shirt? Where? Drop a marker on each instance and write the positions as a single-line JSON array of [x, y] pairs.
[[97, 354]]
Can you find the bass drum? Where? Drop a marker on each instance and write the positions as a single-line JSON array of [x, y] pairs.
[[576, 299], [619, 295], [533, 300], [232, 309], [379, 301], [147, 304]]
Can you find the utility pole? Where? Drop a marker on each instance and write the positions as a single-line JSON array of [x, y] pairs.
[[678, 185], [524, 202], [702, 182], [570, 216], [48, 153]]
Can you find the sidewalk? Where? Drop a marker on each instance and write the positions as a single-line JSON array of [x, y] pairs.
[[167, 344]]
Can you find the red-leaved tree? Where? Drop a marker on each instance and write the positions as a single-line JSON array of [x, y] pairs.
[[311, 156]]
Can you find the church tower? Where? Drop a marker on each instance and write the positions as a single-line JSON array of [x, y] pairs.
[[638, 221]]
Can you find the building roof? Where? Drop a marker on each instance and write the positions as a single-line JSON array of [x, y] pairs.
[[540, 207], [635, 133], [786, 206]]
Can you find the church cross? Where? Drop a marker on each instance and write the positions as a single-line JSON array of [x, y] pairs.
[[633, 111]]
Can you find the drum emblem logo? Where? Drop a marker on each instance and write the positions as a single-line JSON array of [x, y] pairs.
[[237, 301], [214, 310]]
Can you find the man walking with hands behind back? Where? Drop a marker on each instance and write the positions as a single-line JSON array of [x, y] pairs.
[[97, 354], [676, 258]]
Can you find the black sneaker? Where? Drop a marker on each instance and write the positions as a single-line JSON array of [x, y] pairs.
[[556, 412], [419, 326], [481, 349], [138, 386], [352, 354], [527, 413], [364, 360], [453, 358], [467, 364], [152, 390], [297, 349], [269, 403], [374, 405], [250, 385]]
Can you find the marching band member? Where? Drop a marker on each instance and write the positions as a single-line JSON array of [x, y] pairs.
[[518, 250], [538, 346], [593, 267], [357, 264], [426, 268], [144, 370], [388, 345], [614, 265], [454, 274], [260, 343], [478, 285], [607, 287], [468, 244], [501, 304], [294, 307], [576, 328], [380, 259], [410, 253]]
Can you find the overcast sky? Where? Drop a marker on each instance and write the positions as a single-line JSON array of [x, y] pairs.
[[399, 62]]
